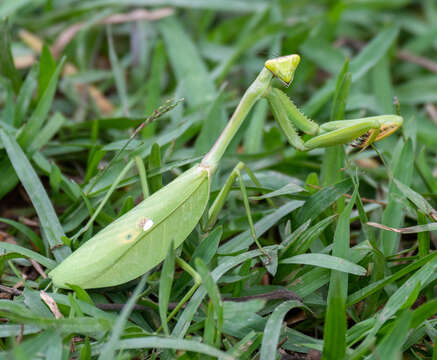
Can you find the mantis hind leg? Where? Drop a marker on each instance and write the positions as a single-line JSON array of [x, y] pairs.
[[219, 201]]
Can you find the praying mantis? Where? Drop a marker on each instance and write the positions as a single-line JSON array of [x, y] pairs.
[[139, 240]]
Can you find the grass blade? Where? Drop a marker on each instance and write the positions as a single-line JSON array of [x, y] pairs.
[[359, 66], [118, 73], [212, 289], [390, 347], [165, 283], [47, 216], [321, 200], [48, 263], [7, 67], [327, 262], [245, 239], [153, 342], [273, 328], [393, 213], [334, 338], [40, 113], [109, 348]]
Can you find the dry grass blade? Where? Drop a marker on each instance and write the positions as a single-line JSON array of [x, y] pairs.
[[418, 60], [407, 230], [51, 304], [136, 15]]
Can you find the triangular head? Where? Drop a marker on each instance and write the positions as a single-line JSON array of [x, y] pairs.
[[283, 67]]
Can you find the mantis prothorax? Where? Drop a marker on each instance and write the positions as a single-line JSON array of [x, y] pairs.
[[139, 240]]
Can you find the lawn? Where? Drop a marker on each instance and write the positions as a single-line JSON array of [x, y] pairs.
[[290, 239]]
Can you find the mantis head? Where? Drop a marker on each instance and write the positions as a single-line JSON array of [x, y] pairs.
[[283, 67]]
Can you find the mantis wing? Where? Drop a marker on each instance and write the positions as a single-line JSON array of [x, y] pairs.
[[139, 240]]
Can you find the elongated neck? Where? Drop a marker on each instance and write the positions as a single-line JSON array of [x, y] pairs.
[[250, 97]]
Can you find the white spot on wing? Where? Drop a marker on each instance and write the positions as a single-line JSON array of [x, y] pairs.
[[147, 224]]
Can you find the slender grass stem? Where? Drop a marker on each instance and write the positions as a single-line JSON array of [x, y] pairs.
[[106, 198], [143, 176], [197, 281]]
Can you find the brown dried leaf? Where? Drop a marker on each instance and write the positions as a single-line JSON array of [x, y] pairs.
[[51, 304], [139, 14]]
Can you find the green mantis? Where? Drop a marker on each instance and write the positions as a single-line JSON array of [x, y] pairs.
[[139, 240]]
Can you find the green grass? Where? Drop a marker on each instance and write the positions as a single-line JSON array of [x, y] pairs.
[[335, 286]]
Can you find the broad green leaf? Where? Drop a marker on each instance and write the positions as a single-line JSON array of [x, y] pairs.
[[54, 349]]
